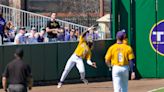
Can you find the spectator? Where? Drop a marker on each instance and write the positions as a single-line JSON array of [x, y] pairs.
[[20, 37], [17, 74], [2, 27], [71, 36], [31, 39], [6, 37], [52, 28], [41, 35], [66, 31], [9, 33], [12, 33], [77, 33], [61, 35]]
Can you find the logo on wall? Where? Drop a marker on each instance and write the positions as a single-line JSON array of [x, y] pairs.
[[157, 37]]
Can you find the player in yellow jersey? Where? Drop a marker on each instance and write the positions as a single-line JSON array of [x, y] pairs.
[[82, 51], [119, 56]]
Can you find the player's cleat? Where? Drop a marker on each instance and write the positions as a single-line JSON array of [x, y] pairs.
[[59, 85], [85, 81]]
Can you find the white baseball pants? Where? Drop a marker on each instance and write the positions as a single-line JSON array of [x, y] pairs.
[[120, 75], [73, 60]]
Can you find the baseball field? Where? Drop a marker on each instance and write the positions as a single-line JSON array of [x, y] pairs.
[[143, 85]]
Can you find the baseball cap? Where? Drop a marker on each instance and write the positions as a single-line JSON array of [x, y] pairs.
[[120, 35]]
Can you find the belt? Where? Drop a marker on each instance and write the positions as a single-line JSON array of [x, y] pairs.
[[78, 56], [121, 65]]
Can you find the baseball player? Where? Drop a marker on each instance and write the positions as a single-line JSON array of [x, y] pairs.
[[83, 50], [120, 56]]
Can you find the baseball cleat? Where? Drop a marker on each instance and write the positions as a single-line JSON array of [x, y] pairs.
[[85, 81], [59, 85]]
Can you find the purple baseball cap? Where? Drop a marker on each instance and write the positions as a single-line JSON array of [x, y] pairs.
[[120, 35]]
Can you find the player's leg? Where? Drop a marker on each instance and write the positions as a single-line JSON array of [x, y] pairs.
[[81, 68], [67, 69], [116, 79], [69, 65], [125, 77]]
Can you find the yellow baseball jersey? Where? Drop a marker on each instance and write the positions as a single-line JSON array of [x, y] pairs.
[[119, 54], [125, 41], [82, 49]]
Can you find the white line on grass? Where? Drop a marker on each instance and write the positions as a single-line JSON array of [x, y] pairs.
[[156, 89]]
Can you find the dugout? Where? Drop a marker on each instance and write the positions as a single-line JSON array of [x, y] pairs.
[[144, 22]]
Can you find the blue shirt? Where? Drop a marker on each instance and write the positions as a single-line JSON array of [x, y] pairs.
[[32, 40], [21, 38], [69, 38], [2, 25]]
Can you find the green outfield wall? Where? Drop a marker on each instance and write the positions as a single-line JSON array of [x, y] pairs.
[[48, 60], [144, 23]]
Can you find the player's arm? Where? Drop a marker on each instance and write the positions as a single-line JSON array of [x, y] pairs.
[[4, 83], [131, 63], [89, 62], [93, 64], [132, 68], [108, 63], [4, 79], [29, 77], [30, 82], [108, 58], [85, 33]]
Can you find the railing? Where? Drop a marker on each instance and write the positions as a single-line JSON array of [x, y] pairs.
[[28, 19], [86, 21]]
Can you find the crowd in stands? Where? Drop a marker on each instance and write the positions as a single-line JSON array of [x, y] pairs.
[[23, 36], [53, 32]]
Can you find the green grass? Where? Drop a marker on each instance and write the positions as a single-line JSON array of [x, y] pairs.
[[160, 90]]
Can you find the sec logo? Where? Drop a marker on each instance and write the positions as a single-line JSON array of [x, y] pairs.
[[156, 37]]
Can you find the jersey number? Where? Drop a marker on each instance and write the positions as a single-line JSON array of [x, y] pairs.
[[120, 57]]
